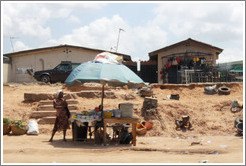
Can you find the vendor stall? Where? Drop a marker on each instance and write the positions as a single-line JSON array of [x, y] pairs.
[[107, 70], [83, 122]]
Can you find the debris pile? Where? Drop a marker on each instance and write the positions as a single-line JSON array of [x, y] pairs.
[[183, 124], [146, 91], [149, 107]]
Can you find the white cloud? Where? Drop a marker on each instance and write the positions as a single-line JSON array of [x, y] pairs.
[[218, 24], [74, 19], [30, 19], [230, 54], [19, 46], [225, 19], [103, 34]]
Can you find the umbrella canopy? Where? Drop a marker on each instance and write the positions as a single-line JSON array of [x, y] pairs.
[[113, 74]]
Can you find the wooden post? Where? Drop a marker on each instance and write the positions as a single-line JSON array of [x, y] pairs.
[[102, 96], [134, 140], [104, 133]]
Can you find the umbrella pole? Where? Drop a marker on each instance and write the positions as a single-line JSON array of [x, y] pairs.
[[102, 96]]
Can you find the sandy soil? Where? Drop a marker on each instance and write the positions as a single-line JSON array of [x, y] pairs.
[[211, 118], [36, 149]]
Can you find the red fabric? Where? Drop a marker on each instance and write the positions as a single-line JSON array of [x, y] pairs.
[[101, 56], [178, 60]]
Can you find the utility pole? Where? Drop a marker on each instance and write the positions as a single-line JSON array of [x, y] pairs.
[[119, 38], [12, 43]]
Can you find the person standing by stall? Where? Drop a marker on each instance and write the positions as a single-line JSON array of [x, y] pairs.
[[62, 115]]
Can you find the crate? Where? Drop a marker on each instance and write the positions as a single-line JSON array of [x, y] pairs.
[[107, 114]]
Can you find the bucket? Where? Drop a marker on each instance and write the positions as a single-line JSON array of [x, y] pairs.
[[117, 113], [147, 125], [126, 110], [140, 129]]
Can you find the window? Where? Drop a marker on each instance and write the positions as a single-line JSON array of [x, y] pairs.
[[63, 67]]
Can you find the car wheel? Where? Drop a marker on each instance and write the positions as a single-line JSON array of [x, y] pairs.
[[45, 78]]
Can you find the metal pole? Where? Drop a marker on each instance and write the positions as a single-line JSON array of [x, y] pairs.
[[12, 43], [118, 38], [102, 96]]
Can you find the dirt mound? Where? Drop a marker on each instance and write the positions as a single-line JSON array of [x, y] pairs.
[[209, 114]]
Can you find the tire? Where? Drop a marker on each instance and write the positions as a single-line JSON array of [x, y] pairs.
[[238, 119], [239, 127], [45, 78], [224, 91]]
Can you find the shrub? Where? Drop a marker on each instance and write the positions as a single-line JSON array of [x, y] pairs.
[[6, 120]]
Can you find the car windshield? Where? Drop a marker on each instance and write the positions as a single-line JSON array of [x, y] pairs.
[[63, 67]]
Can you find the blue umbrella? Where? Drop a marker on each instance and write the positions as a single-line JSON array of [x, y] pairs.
[[112, 74]]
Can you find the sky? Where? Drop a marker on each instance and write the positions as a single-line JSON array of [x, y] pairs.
[[147, 26]]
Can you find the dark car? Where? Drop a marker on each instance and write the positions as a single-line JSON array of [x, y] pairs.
[[58, 74]]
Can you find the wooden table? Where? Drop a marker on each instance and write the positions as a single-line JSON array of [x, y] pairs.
[[133, 121]]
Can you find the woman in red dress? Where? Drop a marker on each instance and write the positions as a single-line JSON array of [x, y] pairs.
[[62, 115]]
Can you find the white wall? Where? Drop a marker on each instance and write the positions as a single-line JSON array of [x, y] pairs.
[[6, 72], [47, 60]]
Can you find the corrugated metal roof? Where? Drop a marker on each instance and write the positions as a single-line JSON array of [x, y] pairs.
[[46, 49], [154, 53]]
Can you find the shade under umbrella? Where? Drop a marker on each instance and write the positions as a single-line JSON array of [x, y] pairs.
[[112, 74]]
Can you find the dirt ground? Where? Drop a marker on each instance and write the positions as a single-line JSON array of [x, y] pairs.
[[214, 135]]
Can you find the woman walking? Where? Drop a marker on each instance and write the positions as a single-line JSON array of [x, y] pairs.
[[62, 115]]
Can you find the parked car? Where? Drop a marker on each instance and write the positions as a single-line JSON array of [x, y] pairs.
[[58, 74]]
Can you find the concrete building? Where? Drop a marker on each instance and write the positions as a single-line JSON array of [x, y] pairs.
[[46, 58], [185, 51], [6, 69]]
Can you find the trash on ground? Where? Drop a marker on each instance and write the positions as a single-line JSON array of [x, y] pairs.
[[236, 106], [203, 161], [32, 127], [183, 124], [195, 143], [173, 96], [210, 89], [146, 91]]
